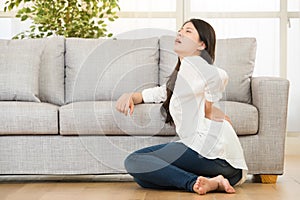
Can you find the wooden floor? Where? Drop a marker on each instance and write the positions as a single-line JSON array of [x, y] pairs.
[[287, 187]]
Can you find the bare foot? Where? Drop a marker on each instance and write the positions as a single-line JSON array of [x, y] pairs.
[[204, 185], [224, 185]]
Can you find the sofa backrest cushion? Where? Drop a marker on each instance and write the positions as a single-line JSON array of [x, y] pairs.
[[52, 73], [47, 55], [103, 69], [19, 71], [167, 58], [236, 56]]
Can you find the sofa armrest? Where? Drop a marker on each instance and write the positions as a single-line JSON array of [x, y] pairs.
[[266, 149], [270, 97]]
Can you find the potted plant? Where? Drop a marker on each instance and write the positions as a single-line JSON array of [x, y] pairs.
[[68, 18]]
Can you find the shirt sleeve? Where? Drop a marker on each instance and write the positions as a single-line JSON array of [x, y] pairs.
[[155, 95], [216, 86], [214, 78]]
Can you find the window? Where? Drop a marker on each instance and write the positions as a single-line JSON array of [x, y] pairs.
[[293, 72], [147, 6], [294, 5], [156, 26], [266, 32], [234, 5], [2, 5], [12, 26]]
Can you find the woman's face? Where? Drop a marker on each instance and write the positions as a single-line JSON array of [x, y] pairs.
[[187, 42]]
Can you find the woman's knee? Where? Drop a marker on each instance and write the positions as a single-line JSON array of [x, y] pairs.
[[130, 162], [134, 159]]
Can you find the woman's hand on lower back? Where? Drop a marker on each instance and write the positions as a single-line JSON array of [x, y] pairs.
[[214, 113], [228, 119]]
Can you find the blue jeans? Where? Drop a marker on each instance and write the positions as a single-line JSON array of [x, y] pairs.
[[175, 166]]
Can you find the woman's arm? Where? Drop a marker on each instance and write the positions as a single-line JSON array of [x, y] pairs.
[[214, 113], [127, 101], [150, 95]]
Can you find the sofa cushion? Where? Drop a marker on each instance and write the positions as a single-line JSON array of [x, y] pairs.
[[52, 73], [244, 116], [112, 67], [19, 66], [167, 58], [235, 56], [48, 55], [102, 118], [28, 118]]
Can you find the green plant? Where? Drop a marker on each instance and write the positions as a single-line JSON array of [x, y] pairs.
[[68, 18]]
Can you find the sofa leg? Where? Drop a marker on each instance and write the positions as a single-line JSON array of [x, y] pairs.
[[268, 179]]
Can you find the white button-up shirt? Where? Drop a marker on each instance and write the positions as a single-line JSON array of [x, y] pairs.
[[196, 82]]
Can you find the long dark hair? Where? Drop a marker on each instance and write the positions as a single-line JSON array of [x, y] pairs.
[[208, 36]]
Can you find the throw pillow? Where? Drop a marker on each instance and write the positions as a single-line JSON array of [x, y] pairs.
[[237, 57], [19, 66]]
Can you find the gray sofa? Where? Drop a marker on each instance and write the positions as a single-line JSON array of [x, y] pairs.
[[57, 104]]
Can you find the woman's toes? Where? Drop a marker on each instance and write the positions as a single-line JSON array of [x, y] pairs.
[[202, 185], [225, 186]]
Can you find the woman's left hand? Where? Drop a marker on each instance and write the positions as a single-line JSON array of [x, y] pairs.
[[220, 119], [228, 119], [214, 113]]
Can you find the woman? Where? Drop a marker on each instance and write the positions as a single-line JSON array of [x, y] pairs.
[[208, 156]]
